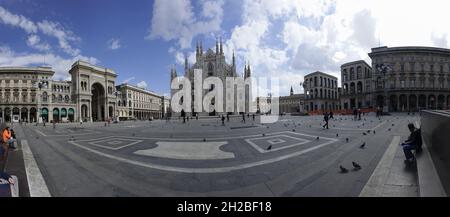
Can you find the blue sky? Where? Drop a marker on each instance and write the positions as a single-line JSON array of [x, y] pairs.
[[140, 39]]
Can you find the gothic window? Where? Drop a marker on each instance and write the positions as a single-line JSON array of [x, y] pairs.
[[210, 69], [66, 99], [352, 74], [60, 98]]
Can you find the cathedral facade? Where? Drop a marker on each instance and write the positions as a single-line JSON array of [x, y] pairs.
[[213, 64]]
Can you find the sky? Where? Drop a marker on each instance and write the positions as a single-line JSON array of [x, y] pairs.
[[141, 40]]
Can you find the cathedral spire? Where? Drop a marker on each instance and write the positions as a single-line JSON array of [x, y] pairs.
[[197, 50], [221, 48], [234, 60], [186, 64], [292, 91], [201, 48], [217, 47]]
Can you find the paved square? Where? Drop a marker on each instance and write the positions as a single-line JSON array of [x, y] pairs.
[[115, 143], [277, 142]]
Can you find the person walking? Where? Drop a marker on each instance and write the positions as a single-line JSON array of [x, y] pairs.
[[253, 116], [223, 120], [325, 118]]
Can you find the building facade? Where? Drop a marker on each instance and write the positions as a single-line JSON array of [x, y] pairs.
[[411, 78], [212, 63], [321, 92], [292, 104], [29, 94], [356, 83], [137, 103], [93, 91]]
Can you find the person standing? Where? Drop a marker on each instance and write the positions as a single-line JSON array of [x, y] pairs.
[[223, 120], [253, 116]]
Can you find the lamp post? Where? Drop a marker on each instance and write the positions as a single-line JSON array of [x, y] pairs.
[[384, 68]]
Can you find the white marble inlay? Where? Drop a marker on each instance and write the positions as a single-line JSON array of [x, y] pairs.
[[188, 150], [275, 141]]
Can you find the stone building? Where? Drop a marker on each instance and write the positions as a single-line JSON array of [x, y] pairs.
[[292, 104], [137, 103], [93, 91], [212, 63], [27, 93], [30, 94], [411, 78], [321, 92], [356, 83]]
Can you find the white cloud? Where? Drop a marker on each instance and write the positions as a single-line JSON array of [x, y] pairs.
[[60, 65], [63, 36], [142, 84], [34, 41], [9, 18], [35, 30], [175, 20], [114, 44], [49, 28]]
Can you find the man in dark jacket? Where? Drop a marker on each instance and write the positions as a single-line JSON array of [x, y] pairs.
[[414, 142]]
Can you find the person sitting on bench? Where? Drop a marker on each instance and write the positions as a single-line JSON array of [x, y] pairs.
[[414, 142]]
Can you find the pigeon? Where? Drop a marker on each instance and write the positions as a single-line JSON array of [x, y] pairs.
[[346, 139], [343, 169], [263, 134], [389, 129], [293, 130], [392, 124], [317, 138], [363, 145], [374, 132], [270, 147], [368, 131], [337, 135], [356, 166], [204, 140], [364, 133]]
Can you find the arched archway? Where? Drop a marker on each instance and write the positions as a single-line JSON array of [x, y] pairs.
[[24, 115], [15, 114], [111, 111], [440, 102], [84, 112], [56, 115], [431, 102], [33, 115], [98, 102], [64, 114], [412, 102], [71, 114], [44, 114], [422, 102], [7, 114], [403, 102], [393, 103]]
